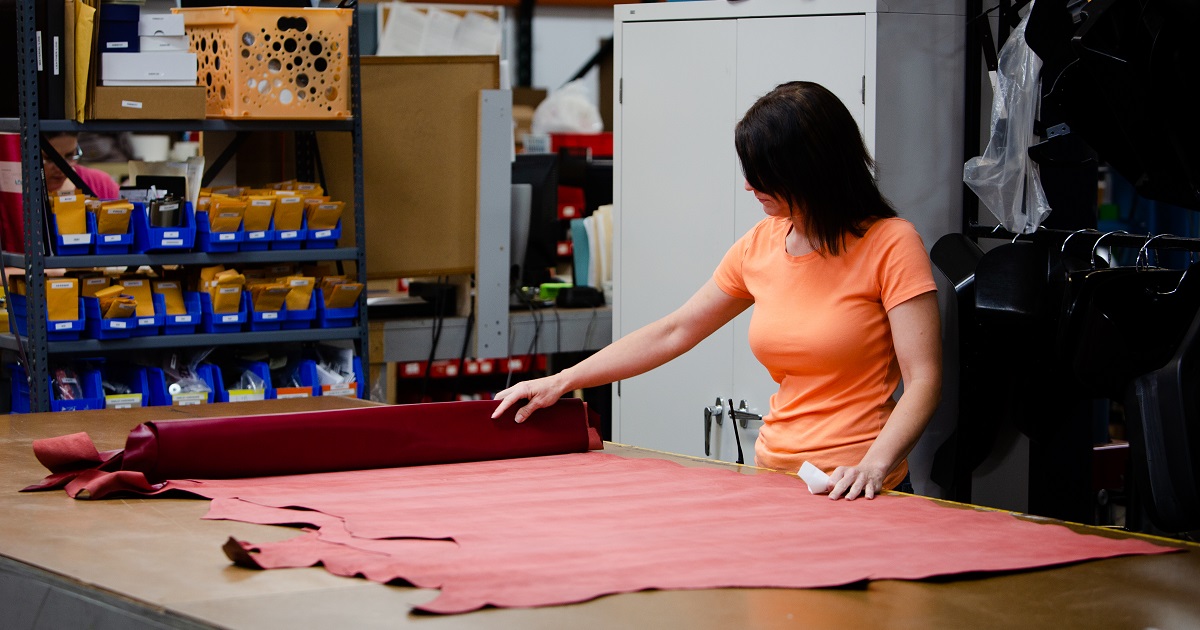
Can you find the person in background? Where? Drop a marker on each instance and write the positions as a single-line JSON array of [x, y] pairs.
[[67, 145], [844, 296]]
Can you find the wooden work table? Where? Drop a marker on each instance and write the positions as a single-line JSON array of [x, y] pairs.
[[153, 563]]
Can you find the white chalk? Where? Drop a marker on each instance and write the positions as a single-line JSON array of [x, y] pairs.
[[817, 480]]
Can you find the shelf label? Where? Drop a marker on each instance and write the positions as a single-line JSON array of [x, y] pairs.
[[269, 315], [183, 319], [225, 319], [344, 389], [122, 401], [171, 234], [323, 234], [112, 238], [226, 236], [293, 392], [189, 398], [62, 325], [146, 321], [172, 242], [131, 104], [289, 234], [76, 239], [117, 324], [245, 395], [256, 235]]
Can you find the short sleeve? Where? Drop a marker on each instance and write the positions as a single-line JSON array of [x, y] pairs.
[[904, 268], [728, 276]]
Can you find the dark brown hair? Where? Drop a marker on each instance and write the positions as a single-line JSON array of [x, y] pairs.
[[801, 144]]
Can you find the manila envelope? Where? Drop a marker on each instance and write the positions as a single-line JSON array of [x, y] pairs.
[[113, 217], [70, 212], [258, 214], [343, 295], [89, 286], [139, 289], [300, 290], [107, 296], [62, 299], [269, 297], [121, 307], [324, 216], [289, 213], [226, 216], [172, 295], [227, 294]]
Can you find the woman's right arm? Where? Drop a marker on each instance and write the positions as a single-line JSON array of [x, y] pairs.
[[640, 351]]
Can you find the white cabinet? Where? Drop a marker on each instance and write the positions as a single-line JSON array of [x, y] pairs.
[[686, 72]]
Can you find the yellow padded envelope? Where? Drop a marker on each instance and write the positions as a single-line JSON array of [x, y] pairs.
[[139, 289], [62, 299]]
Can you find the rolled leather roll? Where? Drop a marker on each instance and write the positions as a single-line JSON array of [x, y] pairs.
[[352, 439]]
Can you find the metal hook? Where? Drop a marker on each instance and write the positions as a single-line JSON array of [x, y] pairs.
[[1063, 249], [995, 229], [1096, 245], [1144, 252]]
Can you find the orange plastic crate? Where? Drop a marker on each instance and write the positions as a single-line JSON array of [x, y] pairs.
[[263, 62]]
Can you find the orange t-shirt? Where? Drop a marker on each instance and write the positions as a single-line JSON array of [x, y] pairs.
[[820, 327]]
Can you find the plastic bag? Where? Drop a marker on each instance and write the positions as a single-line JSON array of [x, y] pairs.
[[1004, 178], [567, 110]]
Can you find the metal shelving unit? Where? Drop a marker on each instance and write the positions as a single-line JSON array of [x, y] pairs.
[[36, 260]]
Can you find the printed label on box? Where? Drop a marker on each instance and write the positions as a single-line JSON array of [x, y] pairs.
[[245, 395], [122, 401], [189, 398], [225, 319], [170, 234], [293, 392], [117, 45], [117, 324], [345, 389], [323, 233], [183, 319], [288, 234], [146, 321], [131, 104], [76, 239], [226, 236], [256, 235], [269, 315], [172, 242], [62, 325], [110, 238]]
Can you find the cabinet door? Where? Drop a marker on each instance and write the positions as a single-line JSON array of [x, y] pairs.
[[830, 50], [677, 174]]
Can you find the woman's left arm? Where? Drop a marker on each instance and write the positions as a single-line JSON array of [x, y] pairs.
[[916, 336]]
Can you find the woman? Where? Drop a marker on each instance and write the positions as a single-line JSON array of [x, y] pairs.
[[845, 303], [67, 145]]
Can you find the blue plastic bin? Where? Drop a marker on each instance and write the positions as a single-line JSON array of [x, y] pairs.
[[257, 367], [72, 244], [333, 317], [99, 328], [56, 330], [267, 320], [324, 239], [324, 390], [151, 325], [301, 319], [209, 241], [182, 324], [111, 244], [89, 382], [132, 376], [306, 374], [147, 238], [159, 393], [289, 239], [211, 322]]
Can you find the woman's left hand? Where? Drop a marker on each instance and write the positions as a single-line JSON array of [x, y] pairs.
[[852, 481]]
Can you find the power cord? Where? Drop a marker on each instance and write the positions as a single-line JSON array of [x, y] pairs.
[[439, 319]]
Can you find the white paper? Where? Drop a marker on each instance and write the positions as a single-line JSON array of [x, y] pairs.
[[477, 35], [402, 31], [817, 480]]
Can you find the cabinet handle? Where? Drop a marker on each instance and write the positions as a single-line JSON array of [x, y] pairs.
[[711, 412]]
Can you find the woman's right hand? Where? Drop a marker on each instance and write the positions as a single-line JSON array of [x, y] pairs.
[[538, 393]]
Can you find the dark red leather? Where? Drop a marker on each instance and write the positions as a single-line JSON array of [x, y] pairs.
[[351, 439]]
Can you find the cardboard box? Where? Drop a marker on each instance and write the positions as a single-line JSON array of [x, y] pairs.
[[155, 103], [147, 69]]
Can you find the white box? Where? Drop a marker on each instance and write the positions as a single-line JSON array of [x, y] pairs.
[[161, 24], [163, 43], [155, 68]]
